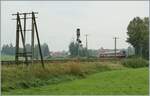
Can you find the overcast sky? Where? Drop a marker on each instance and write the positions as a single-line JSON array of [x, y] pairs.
[[57, 21]]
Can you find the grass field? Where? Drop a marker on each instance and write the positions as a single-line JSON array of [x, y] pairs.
[[126, 81], [21, 76], [7, 57]]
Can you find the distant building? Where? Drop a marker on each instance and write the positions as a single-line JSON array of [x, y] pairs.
[[59, 54]]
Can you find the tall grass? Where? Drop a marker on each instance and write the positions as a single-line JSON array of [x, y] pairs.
[[21, 76]]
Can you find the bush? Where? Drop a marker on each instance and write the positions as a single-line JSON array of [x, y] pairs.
[[135, 62], [133, 56]]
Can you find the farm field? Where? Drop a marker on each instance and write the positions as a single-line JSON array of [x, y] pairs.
[[125, 81]]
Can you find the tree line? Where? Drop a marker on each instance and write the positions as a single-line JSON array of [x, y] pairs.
[[75, 50], [138, 36], [81, 51], [9, 49]]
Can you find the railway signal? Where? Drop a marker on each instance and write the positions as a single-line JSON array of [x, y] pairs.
[[78, 40], [78, 36]]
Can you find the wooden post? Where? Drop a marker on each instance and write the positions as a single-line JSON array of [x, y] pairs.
[[17, 41], [24, 28], [26, 59], [38, 40], [32, 37]]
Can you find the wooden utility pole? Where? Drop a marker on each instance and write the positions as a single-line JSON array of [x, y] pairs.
[[19, 32], [86, 37], [24, 27], [34, 22], [115, 38], [32, 36]]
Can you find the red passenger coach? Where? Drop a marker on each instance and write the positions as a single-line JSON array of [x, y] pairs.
[[111, 53]]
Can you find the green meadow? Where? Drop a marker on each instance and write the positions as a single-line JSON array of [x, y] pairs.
[[119, 82], [76, 78]]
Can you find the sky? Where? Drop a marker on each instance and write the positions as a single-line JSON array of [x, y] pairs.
[[58, 20]]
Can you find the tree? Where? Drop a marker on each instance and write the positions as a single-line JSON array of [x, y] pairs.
[[36, 51], [130, 51], [28, 47], [8, 49], [93, 53], [73, 49], [45, 51], [138, 32], [11, 49]]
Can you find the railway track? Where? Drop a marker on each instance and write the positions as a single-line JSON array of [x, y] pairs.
[[65, 60]]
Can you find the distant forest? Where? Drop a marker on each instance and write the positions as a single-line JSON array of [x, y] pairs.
[[9, 49]]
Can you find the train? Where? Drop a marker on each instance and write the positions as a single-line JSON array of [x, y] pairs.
[[111, 54]]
